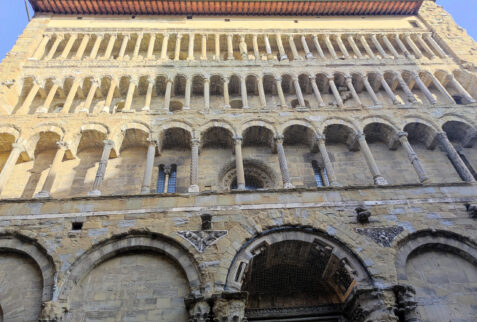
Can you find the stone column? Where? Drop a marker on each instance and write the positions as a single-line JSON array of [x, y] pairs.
[[268, 48], [147, 102], [194, 166], [278, 84], [110, 96], [331, 82], [103, 163], [25, 108], [261, 91], [243, 48], [49, 99], [167, 174], [390, 46], [435, 45], [150, 47], [380, 48], [410, 96], [243, 91], [256, 52], [137, 46], [370, 90], [423, 88], [97, 43], [226, 93], [441, 88], [291, 42], [129, 96], [54, 47], [316, 42], [239, 163], [299, 94], [320, 139], [7, 169], [281, 50], [316, 91], [167, 95], [109, 48], [415, 49], [403, 47], [82, 46], [40, 51], [71, 96], [90, 97], [368, 49], [282, 160], [373, 167], [425, 46], [217, 46], [50, 178], [203, 48], [388, 89], [412, 157], [230, 47], [349, 83], [177, 49], [188, 88], [68, 46], [354, 46], [342, 46], [206, 93], [308, 54], [124, 45], [151, 152], [164, 46], [456, 160], [460, 89], [331, 49]]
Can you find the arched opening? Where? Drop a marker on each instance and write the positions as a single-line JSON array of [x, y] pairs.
[[258, 175]]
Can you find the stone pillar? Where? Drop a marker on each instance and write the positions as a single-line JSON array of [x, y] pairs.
[[217, 47], [137, 46], [230, 47], [380, 48], [243, 48], [349, 83], [316, 91], [167, 95], [268, 48], [243, 91], [165, 43], [373, 167], [50, 178], [291, 42], [206, 93], [71, 96], [370, 90], [194, 166], [320, 139], [415, 49], [167, 174], [129, 96], [316, 42], [354, 46], [281, 50], [150, 47], [342, 46], [435, 45], [368, 49], [239, 163], [410, 96], [331, 49], [188, 88], [110, 96], [124, 45], [278, 84], [51, 95], [190, 54], [90, 97], [147, 102], [406, 303], [282, 160], [261, 91], [424, 88], [456, 160], [82, 46], [40, 51], [390, 46], [7, 169], [54, 47], [68, 46], [388, 89], [25, 108], [308, 54], [299, 94], [256, 51], [441, 88], [177, 49], [331, 82], [402, 46], [425, 46], [103, 163], [109, 48], [460, 89], [203, 48], [412, 157], [151, 152], [97, 43]]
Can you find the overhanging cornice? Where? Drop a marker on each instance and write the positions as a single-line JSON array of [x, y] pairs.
[[229, 7]]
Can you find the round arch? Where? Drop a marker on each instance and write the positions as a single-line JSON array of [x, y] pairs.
[[304, 123]]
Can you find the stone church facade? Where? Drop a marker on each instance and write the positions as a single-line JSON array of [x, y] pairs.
[[166, 160]]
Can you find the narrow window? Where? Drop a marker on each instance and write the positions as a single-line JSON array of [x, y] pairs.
[[321, 177], [171, 186], [161, 179]]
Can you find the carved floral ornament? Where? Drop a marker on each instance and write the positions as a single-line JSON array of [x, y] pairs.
[[201, 239]]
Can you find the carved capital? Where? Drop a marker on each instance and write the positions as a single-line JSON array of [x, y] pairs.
[[279, 139], [238, 139], [52, 311], [230, 307]]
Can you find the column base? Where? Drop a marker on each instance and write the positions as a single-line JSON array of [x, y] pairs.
[[241, 186], [309, 56], [227, 106], [145, 190], [284, 58], [335, 184], [94, 193], [42, 195], [146, 109], [194, 188], [380, 181], [83, 110], [425, 180], [42, 110], [186, 108], [288, 186]]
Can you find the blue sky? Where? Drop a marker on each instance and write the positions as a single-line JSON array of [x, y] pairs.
[[13, 19]]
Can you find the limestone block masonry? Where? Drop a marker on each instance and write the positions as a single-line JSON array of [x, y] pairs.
[[211, 168]]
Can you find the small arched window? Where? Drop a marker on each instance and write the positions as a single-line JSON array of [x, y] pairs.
[[321, 177]]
